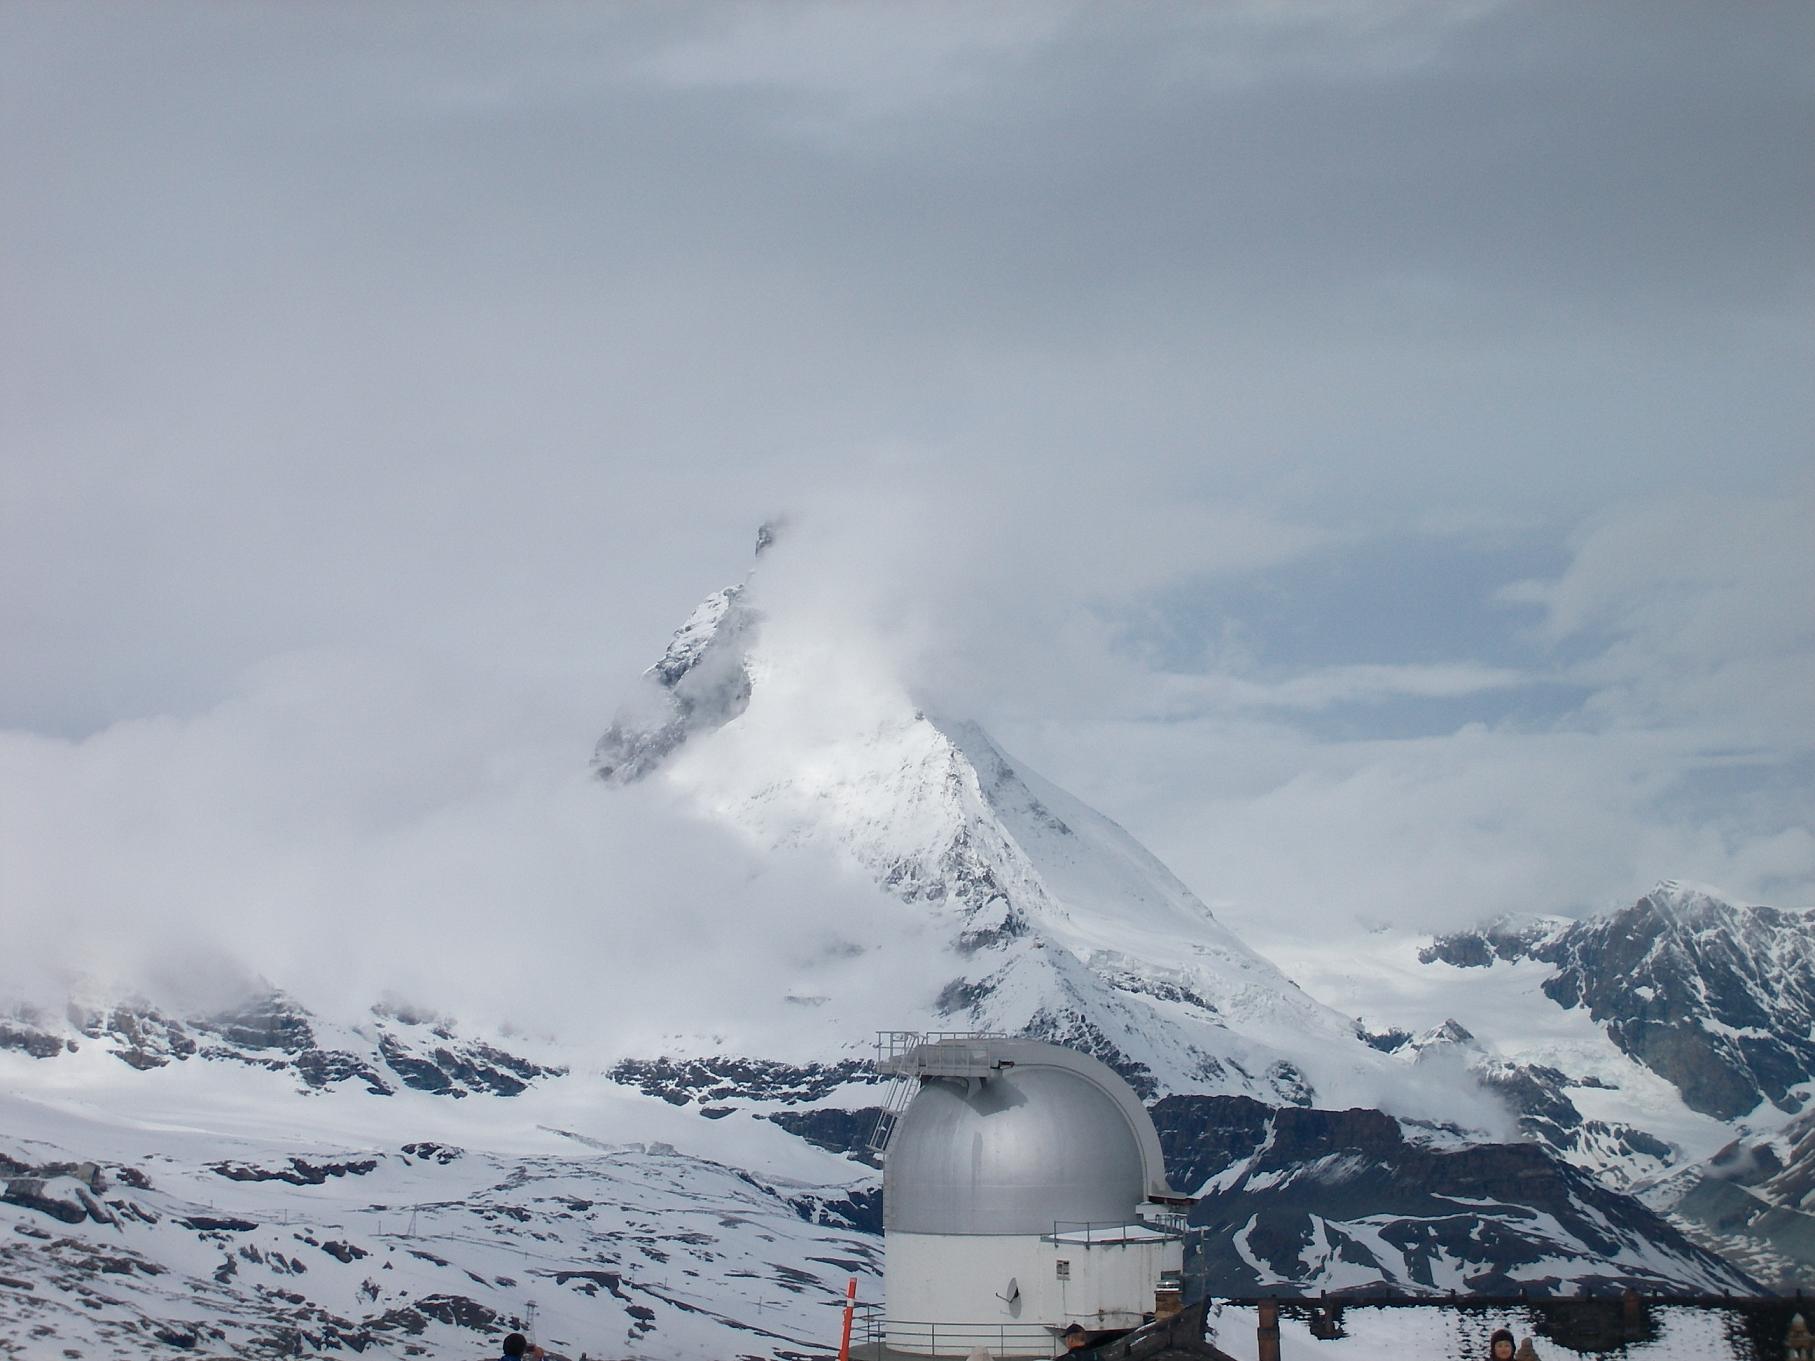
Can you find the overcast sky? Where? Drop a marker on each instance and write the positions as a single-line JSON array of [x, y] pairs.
[[1365, 449]]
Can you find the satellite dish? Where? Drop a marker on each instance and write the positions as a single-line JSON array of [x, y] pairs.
[[1013, 1292]]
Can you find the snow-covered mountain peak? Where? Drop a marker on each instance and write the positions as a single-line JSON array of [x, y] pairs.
[[1047, 917]]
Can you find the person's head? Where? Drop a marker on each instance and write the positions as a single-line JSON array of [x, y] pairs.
[[516, 1344], [1500, 1346], [1075, 1337]]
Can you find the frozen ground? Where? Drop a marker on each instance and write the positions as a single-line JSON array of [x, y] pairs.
[[1437, 1334], [234, 1216]]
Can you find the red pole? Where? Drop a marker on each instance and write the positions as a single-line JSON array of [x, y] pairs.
[[850, 1304]]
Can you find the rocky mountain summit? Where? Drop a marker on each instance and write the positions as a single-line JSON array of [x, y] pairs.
[[1353, 1202], [1049, 919], [1717, 999]]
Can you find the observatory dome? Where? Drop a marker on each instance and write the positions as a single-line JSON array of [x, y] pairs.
[[1012, 1154]]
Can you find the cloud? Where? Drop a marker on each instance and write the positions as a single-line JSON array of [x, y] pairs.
[[1694, 612], [350, 830], [1327, 686], [1676, 652], [1118, 364]]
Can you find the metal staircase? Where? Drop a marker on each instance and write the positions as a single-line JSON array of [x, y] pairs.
[[911, 1056]]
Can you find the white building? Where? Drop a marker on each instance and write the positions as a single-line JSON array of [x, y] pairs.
[[1023, 1191]]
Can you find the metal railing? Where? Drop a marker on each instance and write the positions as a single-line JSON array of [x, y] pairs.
[[1088, 1231], [935, 1338], [942, 1053]]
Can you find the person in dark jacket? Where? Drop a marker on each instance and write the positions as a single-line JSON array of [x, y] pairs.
[[1500, 1345], [517, 1346]]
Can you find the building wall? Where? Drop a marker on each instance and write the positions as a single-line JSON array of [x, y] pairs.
[[955, 1279]]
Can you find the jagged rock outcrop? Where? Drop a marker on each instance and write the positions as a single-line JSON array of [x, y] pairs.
[[273, 1031], [1344, 1202], [1753, 1201], [1716, 998]]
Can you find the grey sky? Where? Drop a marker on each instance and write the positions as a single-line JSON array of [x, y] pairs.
[[1254, 412]]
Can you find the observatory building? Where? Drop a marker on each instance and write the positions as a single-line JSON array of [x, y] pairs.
[[1023, 1192]]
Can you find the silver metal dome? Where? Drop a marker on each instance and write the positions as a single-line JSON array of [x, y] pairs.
[[1014, 1152]]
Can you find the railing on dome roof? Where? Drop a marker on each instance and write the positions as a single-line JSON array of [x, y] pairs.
[[1093, 1231], [937, 1053], [910, 1055]]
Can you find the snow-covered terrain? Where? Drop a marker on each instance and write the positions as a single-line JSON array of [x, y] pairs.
[[222, 1208], [1670, 1333], [1500, 1019], [1464, 1115], [1669, 1047]]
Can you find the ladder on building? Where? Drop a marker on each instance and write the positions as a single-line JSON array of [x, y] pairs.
[[911, 1056], [901, 1091]]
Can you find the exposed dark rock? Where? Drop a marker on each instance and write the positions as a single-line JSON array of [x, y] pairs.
[[1754, 1203], [841, 1131], [1479, 948], [1536, 1093], [861, 1210], [700, 683], [138, 1035], [1012, 927], [1386, 1041], [1160, 990], [1310, 1194], [962, 995], [324, 1067], [590, 1282], [28, 1040], [1719, 1000], [1075, 1030], [210, 1224], [30, 1193], [1203, 1135], [270, 1022], [720, 1079], [459, 1311], [417, 1073], [456, 1070], [432, 1152], [300, 1172]]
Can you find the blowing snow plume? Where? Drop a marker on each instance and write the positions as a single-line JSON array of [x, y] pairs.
[[1033, 912]]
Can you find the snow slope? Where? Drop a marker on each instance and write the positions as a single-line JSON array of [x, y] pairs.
[[215, 1208]]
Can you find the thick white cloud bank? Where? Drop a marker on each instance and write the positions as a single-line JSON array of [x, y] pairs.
[[360, 832], [1368, 458]]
